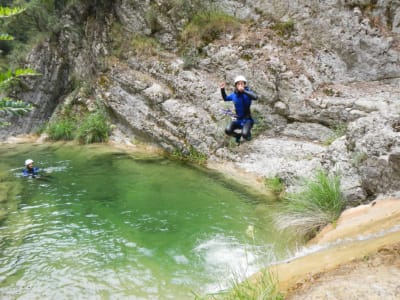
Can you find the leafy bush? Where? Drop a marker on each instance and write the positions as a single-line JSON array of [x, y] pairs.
[[318, 204], [62, 129], [94, 129]]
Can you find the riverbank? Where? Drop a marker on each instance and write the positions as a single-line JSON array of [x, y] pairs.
[[359, 258]]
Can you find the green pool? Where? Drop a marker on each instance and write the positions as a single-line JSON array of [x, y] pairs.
[[104, 224]]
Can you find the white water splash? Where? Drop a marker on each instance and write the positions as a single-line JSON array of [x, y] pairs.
[[228, 260]]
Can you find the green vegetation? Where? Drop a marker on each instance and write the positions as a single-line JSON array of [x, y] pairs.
[[265, 287], [260, 124], [36, 20], [284, 29], [192, 156], [145, 46], [9, 78], [15, 107], [275, 185], [338, 131], [85, 127], [142, 45], [318, 204], [206, 26], [10, 11], [94, 128], [62, 129]]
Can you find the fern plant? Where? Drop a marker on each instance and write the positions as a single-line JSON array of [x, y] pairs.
[[9, 105]]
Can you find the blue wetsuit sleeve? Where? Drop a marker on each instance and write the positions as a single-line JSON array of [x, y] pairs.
[[224, 96], [251, 94], [25, 173]]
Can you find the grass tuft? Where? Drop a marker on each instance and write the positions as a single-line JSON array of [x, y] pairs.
[[193, 156], [264, 287], [206, 26], [276, 186], [318, 204], [62, 129], [94, 128]]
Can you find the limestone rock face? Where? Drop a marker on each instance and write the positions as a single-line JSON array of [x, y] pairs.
[[326, 72]]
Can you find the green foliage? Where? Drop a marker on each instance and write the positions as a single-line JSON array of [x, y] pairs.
[[6, 12], [86, 127], [145, 46], [120, 46], [94, 128], [62, 129], [206, 26], [266, 287], [6, 37], [15, 107], [338, 131], [192, 156], [36, 20], [260, 124], [319, 203], [275, 185], [8, 105], [284, 29]]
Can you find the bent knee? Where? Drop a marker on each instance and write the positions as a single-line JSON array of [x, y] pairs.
[[228, 131]]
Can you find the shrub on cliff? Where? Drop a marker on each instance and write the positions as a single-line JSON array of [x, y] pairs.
[[206, 26], [94, 128], [319, 203]]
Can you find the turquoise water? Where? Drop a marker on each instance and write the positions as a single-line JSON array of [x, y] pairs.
[[103, 224]]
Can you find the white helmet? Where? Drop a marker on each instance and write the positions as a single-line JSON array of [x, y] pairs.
[[28, 162], [240, 78]]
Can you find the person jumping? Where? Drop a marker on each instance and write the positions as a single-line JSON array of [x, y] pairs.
[[241, 98]]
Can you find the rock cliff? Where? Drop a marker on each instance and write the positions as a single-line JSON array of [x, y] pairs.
[[327, 73]]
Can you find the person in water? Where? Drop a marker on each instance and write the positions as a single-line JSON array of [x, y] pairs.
[[30, 170], [241, 98]]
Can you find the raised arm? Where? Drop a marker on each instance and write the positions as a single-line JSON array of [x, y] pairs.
[[223, 93]]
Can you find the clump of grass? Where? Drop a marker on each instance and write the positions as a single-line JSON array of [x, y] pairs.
[[145, 46], [338, 131], [265, 287], [62, 129], [63, 126], [94, 128], [284, 29], [318, 204], [206, 26], [192, 155], [275, 185], [84, 126]]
